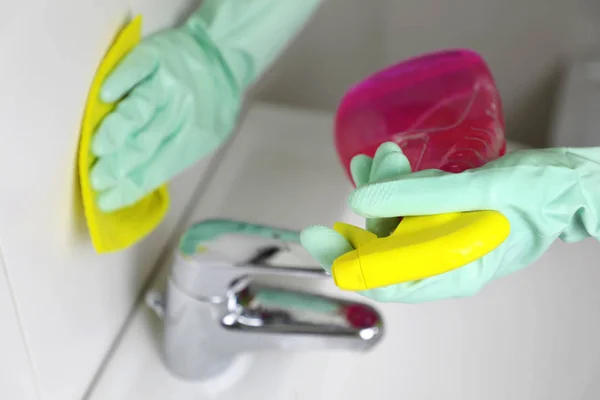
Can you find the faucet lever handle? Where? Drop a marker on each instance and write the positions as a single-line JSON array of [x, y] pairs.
[[261, 263], [209, 276]]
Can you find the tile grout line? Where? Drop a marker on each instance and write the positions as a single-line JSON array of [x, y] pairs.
[[13, 297]]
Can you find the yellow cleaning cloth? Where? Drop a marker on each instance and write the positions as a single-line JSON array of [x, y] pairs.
[[120, 229]]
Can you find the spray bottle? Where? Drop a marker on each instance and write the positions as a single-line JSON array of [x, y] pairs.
[[444, 111]]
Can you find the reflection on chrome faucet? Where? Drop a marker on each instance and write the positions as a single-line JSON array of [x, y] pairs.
[[258, 308], [214, 309]]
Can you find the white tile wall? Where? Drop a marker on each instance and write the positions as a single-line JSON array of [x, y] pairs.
[[71, 302]]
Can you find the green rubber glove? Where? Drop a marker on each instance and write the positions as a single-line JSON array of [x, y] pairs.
[[546, 194], [181, 92], [325, 244]]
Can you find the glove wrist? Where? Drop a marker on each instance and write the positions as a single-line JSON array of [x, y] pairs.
[[249, 35]]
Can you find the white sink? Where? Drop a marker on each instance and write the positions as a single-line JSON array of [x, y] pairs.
[[532, 335]]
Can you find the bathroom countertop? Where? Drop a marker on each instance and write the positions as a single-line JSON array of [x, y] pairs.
[[279, 154]]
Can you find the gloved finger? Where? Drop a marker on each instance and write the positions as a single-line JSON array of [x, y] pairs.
[[126, 189], [138, 150], [389, 162], [430, 292], [126, 194], [159, 168], [382, 227], [462, 282], [131, 115], [405, 292], [111, 170], [138, 65], [383, 150], [428, 192], [324, 245], [147, 142], [360, 169]]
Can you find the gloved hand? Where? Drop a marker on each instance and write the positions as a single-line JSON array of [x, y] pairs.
[[181, 91], [545, 194]]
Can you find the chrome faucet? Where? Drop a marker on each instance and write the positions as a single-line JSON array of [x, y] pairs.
[[216, 307]]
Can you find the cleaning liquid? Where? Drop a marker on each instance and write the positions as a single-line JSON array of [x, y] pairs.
[[443, 109]]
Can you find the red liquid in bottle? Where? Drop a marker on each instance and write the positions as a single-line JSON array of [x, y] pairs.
[[443, 109]]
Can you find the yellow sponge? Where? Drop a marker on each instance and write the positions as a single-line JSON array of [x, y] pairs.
[[120, 229]]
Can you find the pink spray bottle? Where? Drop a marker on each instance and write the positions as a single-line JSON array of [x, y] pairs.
[[444, 111]]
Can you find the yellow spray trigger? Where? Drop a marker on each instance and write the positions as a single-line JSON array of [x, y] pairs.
[[123, 228], [419, 248]]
